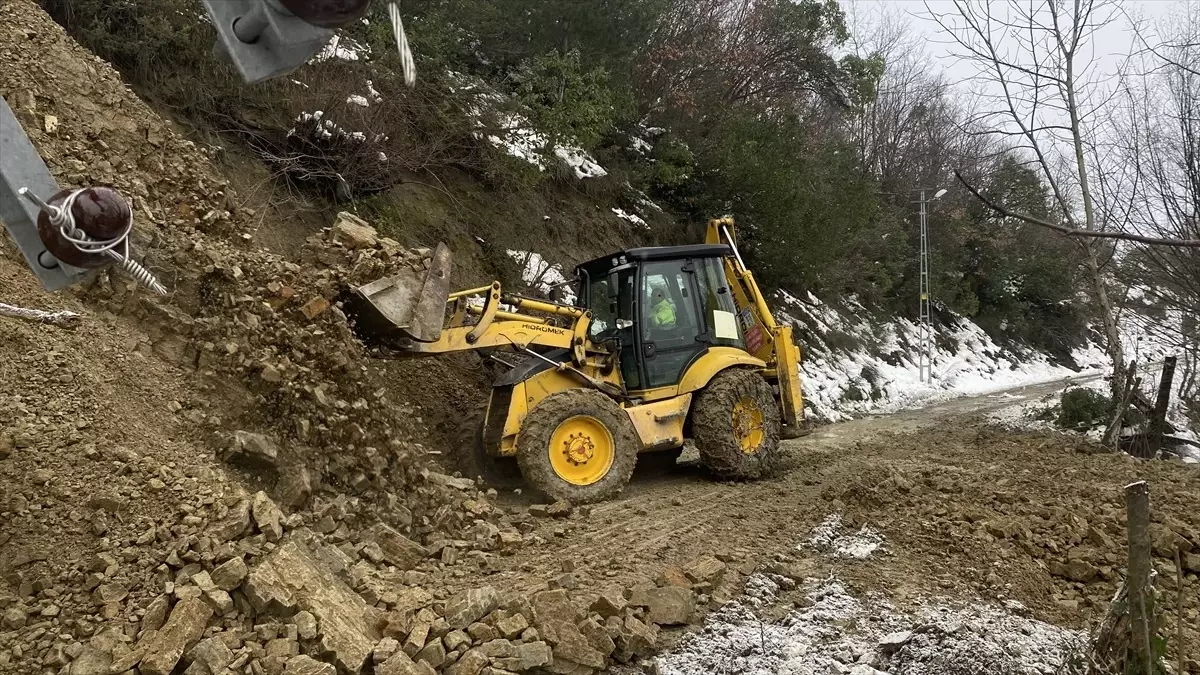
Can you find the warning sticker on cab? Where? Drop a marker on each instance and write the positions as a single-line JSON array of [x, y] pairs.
[[754, 339]]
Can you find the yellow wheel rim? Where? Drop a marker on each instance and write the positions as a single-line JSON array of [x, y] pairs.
[[581, 450], [748, 425]]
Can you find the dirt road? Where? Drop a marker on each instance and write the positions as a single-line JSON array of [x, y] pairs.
[[968, 510]]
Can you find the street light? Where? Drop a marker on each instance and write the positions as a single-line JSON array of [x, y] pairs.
[[925, 356]]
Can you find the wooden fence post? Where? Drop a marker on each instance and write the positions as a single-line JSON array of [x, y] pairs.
[[1141, 602]]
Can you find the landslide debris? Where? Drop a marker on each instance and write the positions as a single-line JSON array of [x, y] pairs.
[[223, 481]]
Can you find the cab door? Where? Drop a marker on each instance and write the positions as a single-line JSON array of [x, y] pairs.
[[671, 328]]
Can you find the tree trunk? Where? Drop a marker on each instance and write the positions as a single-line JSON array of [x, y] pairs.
[[1112, 332]]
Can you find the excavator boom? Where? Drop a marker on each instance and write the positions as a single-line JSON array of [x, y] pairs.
[[765, 338]]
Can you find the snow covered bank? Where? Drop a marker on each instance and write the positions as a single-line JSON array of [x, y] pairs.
[[836, 632], [852, 363], [503, 126]]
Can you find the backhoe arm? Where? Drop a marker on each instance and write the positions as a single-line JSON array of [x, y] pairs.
[[765, 338]]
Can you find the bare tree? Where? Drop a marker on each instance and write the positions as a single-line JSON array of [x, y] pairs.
[[1152, 151], [906, 128], [1040, 92]]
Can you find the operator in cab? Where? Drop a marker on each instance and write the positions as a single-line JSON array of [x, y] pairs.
[[662, 313]]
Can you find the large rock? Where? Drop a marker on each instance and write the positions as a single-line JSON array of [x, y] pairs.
[[554, 615], [267, 516], [1081, 570], [597, 636], [397, 549], [185, 626], [254, 449], [892, 642], [633, 637], [291, 579], [91, 661], [529, 655], [295, 485], [464, 609], [574, 647], [400, 663], [307, 665], [667, 606], [234, 524], [229, 574], [707, 570], [449, 481], [555, 619], [470, 663], [213, 653], [610, 602], [354, 232]]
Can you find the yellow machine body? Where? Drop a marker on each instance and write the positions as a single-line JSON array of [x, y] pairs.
[[486, 318]]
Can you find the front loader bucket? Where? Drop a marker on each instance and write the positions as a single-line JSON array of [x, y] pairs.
[[408, 305]]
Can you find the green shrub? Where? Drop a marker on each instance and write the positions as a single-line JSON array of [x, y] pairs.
[[567, 103], [1082, 408]]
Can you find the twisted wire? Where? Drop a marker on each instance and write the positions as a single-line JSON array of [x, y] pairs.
[[407, 63], [63, 218]]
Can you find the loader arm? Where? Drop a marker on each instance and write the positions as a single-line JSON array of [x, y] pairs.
[[389, 316], [764, 337]]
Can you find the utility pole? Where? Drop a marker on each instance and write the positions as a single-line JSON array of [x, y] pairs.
[[925, 326], [925, 357]]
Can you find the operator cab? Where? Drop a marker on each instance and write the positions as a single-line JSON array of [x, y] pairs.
[[664, 305]]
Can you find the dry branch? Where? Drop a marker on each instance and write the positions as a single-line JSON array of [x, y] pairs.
[[1074, 231], [62, 319]]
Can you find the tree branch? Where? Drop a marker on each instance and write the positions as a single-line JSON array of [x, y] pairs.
[[62, 319], [1073, 231]]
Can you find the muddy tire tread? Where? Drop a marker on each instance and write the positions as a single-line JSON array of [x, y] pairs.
[[712, 425]]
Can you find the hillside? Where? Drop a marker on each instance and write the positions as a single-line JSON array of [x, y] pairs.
[[226, 481]]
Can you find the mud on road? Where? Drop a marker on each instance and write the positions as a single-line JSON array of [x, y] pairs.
[[968, 510]]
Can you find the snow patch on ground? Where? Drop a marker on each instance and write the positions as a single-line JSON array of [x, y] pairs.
[[319, 128], [831, 538], [342, 49], [853, 363], [541, 274], [836, 632], [631, 217], [514, 133]]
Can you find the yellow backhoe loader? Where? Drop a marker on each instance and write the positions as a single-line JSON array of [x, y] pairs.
[[662, 344]]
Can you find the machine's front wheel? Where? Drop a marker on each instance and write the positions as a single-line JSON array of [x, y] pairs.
[[577, 445], [736, 425]]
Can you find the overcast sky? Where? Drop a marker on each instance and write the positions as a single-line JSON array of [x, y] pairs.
[[1111, 43]]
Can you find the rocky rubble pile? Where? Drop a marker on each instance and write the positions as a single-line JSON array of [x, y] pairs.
[[1062, 553], [259, 329], [243, 588], [123, 545]]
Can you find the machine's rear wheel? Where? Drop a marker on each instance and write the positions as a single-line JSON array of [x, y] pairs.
[[470, 457], [577, 445], [736, 425]]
